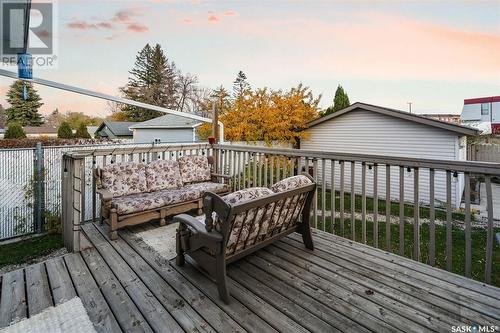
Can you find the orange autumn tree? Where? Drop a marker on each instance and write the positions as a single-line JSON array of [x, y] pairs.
[[268, 115]]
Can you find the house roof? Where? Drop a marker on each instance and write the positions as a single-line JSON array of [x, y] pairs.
[[491, 99], [118, 128], [459, 129], [40, 130], [168, 121]]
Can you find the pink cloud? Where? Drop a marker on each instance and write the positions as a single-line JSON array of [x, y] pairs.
[[105, 25], [230, 13], [137, 27], [187, 21], [213, 18], [81, 25]]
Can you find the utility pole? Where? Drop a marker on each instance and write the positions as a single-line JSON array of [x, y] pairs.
[[409, 105]]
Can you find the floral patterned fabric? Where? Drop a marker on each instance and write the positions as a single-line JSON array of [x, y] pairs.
[[184, 194], [194, 169], [124, 178], [291, 183], [154, 200], [163, 174], [209, 187], [244, 223]]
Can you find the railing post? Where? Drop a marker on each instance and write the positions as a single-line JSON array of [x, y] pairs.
[[73, 201], [38, 192]]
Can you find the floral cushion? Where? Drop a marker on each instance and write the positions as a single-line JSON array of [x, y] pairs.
[[180, 195], [194, 169], [124, 178], [246, 222], [154, 200], [291, 183], [209, 187], [163, 174]]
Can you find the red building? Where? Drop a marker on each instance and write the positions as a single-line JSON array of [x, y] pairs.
[[483, 113]]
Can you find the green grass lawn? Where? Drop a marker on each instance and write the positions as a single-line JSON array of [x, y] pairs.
[[29, 249], [478, 237], [408, 208]]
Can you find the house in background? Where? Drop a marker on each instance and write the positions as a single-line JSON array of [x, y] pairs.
[[167, 128], [369, 129], [92, 130], [446, 117], [115, 130], [37, 131], [482, 113]]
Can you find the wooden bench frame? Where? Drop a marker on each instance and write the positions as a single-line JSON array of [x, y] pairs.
[[207, 246], [117, 221]]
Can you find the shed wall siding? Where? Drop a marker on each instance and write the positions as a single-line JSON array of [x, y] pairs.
[[368, 132], [165, 135]]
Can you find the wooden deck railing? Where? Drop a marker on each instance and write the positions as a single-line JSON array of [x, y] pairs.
[[353, 190], [402, 184]]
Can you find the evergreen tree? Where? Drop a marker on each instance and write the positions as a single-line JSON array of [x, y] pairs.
[[25, 112], [223, 103], [240, 85], [64, 131], [82, 132], [3, 118], [340, 101], [153, 80], [14, 131]]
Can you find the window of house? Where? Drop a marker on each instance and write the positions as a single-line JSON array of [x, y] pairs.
[[485, 109]]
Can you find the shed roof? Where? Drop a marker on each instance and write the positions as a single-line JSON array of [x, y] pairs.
[[168, 121], [118, 128], [459, 129]]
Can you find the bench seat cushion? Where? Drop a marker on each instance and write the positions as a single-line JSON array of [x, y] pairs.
[[209, 187], [124, 178], [163, 174], [194, 169], [148, 201]]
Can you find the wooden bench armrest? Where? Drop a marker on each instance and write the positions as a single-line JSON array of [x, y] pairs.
[[105, 194], [198, 228]]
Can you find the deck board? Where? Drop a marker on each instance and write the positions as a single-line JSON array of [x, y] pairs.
[[37, 289], [341, 286], [13, 298], [457, 294], [86, 288], [60, 281]]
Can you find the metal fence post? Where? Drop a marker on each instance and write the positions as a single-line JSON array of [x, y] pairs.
[[38, 190]]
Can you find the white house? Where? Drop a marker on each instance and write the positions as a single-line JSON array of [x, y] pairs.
[[369, 129], [167, 128], [482, 113]]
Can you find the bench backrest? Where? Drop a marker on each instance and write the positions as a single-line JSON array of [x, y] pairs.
[[247, 224], [127, 178]]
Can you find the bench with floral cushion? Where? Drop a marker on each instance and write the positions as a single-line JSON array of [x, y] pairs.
[[242, 222], [133, 193]]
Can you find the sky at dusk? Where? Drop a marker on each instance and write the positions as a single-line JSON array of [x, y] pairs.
[[431, 53]]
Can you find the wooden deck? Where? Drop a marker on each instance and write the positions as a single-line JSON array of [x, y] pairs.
[[341, 286]]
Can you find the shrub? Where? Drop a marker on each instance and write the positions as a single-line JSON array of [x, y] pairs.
[[14, 131], [64, 131], [82, 132]]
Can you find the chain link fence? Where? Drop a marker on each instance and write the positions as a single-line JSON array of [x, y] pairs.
[[30, 186]]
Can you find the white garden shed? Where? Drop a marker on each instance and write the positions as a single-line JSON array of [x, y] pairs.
[[368, 129]]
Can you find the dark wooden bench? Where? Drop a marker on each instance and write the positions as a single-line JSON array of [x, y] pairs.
[[243, 222]]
